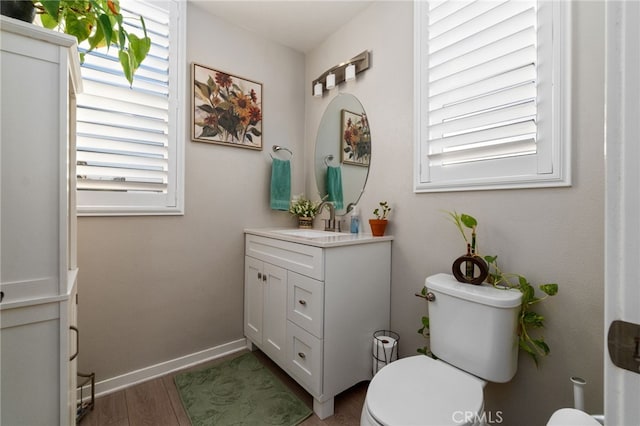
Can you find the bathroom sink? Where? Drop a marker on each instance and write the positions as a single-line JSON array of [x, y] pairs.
[[310, 233]]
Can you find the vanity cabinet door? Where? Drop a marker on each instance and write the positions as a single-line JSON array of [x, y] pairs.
[[265, 307], [275, 312], [253, 299]]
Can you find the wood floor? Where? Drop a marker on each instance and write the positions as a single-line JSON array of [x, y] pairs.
[[157, 402]]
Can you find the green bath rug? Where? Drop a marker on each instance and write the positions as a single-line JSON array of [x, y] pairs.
[[240, 392]]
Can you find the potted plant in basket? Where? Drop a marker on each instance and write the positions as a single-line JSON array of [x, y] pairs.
[[379, 224], [98, 22], [305, 210]]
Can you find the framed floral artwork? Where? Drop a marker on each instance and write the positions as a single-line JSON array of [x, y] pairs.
[[355, 138], [226, 109]]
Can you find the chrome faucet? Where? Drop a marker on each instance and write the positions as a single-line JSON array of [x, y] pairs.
[[329, 224]]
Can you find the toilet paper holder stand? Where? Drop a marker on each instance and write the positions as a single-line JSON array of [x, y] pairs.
[[385, 348]]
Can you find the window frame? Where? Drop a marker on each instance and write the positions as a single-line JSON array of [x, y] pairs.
[[112, 203], [557, 129]]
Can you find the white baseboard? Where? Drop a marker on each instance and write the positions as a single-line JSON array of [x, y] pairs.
[[126, 380]]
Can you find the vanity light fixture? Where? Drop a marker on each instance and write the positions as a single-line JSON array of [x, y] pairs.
[[345, 71], [331, 81]]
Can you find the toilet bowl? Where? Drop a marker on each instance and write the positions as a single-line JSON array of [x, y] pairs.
[[422, 391]]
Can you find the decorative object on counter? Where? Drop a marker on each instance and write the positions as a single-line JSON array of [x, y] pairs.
[[355, 220], [99, 23], [379, 224], [226, 110], [356, 138], [305, 210], [528, 319], [471, 260]]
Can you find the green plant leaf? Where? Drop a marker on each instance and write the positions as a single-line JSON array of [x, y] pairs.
[[525, 347], [468, 221], [78, 26], [542, 346], [126, 61], [490, 259], [533, 319], [48, 21], [255, 131], [105, 27], [527, 293], [52, 7], [550, 289]]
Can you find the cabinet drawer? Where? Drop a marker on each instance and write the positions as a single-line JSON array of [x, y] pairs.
[[304, 358], [300, 258], [305, 303]]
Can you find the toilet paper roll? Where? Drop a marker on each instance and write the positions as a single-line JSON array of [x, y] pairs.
[[385, 350]]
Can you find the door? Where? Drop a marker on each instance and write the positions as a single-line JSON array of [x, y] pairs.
[[275, 312], [253, 299], [622, 204]]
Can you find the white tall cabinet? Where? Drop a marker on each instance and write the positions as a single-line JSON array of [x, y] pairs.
[[312, 306], [40, 76]]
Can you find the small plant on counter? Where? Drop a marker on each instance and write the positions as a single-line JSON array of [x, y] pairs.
[[302, 207], [382, 212], [528, 320]]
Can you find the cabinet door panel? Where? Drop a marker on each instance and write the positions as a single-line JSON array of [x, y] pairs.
[[275, 312], [253, 299]]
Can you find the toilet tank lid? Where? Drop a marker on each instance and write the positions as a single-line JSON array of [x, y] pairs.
[[485, 294]]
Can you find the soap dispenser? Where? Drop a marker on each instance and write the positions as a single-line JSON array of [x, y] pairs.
[[355, 220]]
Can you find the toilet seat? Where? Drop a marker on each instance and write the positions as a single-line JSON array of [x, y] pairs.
[[422, 391]]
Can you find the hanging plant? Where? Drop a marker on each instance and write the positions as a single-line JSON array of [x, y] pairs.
[[100, 24]]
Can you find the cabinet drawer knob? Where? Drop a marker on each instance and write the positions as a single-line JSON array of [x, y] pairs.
[[259, 275], [302, 355], [302, 302]]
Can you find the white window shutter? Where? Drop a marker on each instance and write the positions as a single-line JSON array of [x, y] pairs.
[[480, 85], [128, 138]]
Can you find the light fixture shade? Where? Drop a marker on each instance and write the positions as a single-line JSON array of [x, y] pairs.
[[331, 81], [317, 89], [350, 72]]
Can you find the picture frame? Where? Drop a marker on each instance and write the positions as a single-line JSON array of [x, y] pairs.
[[226, 109], [355, 138]]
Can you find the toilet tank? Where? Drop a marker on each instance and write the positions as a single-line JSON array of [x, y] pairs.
[[474, 327]]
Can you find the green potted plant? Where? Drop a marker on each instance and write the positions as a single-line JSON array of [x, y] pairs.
[[98, 22], [379, 224], [528, 319], [305, 210]]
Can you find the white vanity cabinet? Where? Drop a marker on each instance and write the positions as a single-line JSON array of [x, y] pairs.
[[38, 270], [312, 306]]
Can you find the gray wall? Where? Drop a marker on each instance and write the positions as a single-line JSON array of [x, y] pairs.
[[548, 235], [155, 288]]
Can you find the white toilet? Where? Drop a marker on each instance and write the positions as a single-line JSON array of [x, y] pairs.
[[473, 334]]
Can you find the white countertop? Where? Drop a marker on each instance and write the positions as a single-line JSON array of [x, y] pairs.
[[317, 237]]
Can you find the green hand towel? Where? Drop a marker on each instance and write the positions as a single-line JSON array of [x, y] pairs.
[[334, 187], [280, 184]]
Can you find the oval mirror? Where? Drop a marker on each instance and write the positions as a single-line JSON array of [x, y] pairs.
[[343, 152]]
